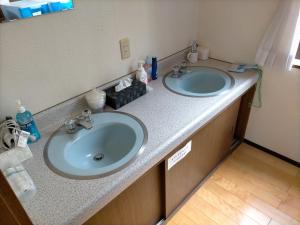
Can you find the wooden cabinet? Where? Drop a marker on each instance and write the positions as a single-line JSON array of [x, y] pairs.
[[11, 210], [209, 146], [140, 204]]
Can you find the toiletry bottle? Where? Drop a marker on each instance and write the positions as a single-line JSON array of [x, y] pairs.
[[25, 119], [141, 74], [148, 66], [154, 68], [194, 47]]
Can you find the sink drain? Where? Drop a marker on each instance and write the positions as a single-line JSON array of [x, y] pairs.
[[98, 157]]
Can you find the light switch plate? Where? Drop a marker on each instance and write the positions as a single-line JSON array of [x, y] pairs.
[[125, 48]]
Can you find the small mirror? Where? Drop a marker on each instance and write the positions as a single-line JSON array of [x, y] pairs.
[[14, 10]]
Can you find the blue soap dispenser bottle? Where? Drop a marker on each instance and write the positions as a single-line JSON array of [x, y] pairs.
[[25, 119]]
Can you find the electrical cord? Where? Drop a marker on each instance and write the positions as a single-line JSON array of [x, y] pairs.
[[257, 101], [9, 134]]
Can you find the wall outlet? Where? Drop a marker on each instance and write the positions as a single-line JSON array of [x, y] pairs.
[[125, 48]]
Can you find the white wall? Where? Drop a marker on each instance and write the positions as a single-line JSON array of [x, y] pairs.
[[48, 59], [277, 125], [232, 29]]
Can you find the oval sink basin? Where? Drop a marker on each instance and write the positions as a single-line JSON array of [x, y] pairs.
[[113, 142], [199, 82]]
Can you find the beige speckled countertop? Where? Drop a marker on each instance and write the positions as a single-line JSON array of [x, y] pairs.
[[169, 118]]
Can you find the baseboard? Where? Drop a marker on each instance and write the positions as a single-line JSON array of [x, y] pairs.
[[271, 152]]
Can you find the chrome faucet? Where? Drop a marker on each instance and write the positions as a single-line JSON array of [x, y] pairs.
[[179, 70], [83, 120]]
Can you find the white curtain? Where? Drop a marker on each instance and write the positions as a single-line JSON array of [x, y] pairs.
[[277, 48]]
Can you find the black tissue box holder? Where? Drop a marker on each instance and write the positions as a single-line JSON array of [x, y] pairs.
[[121, 98]]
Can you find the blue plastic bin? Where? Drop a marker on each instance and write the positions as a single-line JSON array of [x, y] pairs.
[[45, 9], [30, 12], [55, 6], [67, 5], [59, 6]]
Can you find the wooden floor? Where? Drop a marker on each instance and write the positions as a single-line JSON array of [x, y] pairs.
[[250, 187]]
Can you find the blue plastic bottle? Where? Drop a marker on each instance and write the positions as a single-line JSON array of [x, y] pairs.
[[25, 120], [154, 68]]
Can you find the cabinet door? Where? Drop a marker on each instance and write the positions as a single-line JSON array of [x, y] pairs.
[[223, 128], [209, 146], [140, 204], [11, 210]]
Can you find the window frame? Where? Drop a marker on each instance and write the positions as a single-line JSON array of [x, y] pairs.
[[296, 61]]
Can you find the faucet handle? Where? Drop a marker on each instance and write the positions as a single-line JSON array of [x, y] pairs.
[[176, 69], [70, 126], [87, 115], [183, 65]]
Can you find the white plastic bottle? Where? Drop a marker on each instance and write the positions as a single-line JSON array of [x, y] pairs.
[[141, 74]]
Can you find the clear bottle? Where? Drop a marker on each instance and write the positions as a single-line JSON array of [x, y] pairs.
[[25, 119], [148, 67]]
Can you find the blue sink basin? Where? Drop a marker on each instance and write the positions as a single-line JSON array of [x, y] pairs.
[[113, 142], [199, 82]]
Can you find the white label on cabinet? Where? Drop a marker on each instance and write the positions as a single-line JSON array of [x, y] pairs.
[[179, 155]]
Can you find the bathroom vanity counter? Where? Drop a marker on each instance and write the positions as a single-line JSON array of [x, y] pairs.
[[170, 119]]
